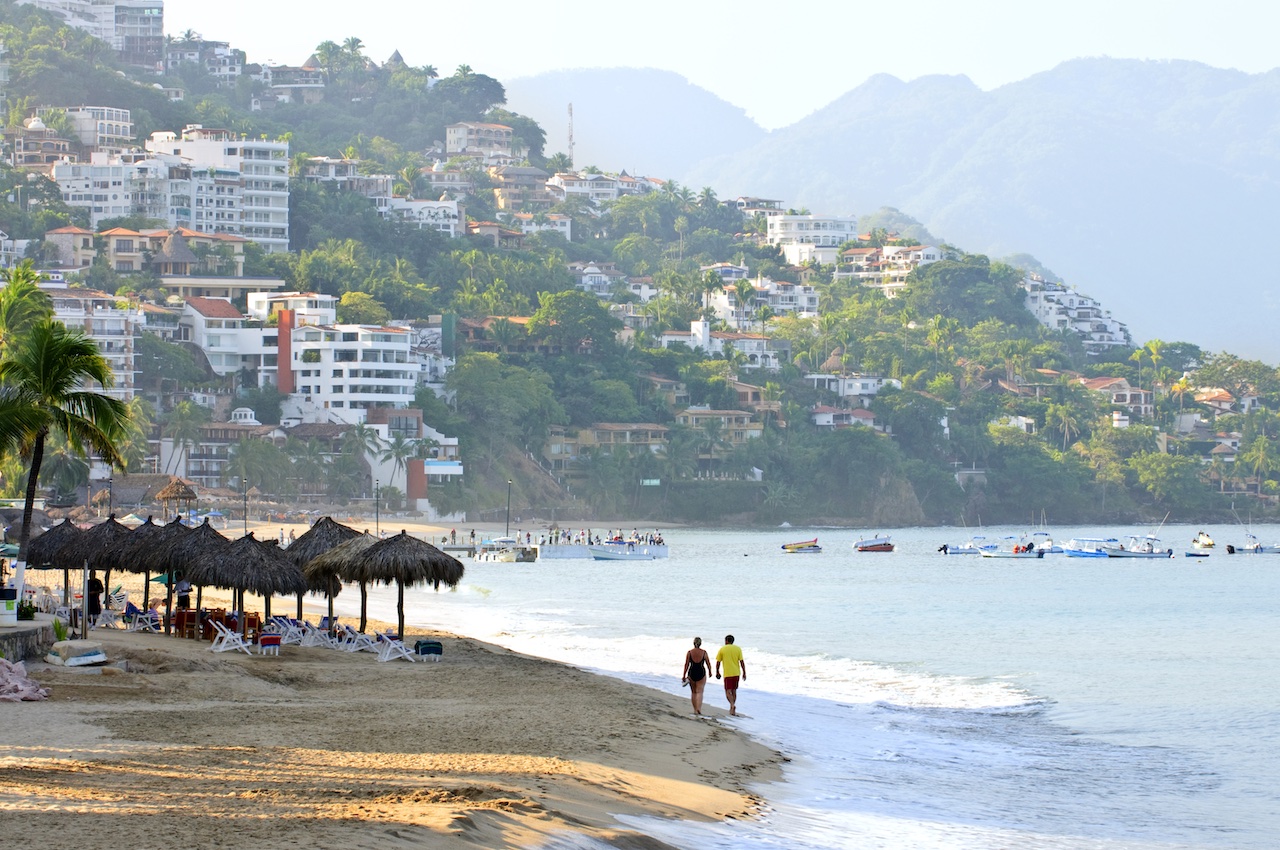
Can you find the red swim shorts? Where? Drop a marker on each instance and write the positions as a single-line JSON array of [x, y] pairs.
[[730, 683]]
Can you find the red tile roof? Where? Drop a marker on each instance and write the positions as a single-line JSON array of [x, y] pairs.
[[214, 308]]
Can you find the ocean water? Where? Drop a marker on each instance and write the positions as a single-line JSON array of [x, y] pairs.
[[930, 701]]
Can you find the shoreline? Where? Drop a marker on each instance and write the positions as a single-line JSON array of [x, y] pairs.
[[494, 749]]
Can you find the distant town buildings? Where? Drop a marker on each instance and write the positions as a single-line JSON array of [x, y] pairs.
[[1062, 309], [811, 238], [133, 28]]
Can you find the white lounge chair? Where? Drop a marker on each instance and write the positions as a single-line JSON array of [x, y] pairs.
[[227, 640], [354, 641], [317, 637], [391, 649]]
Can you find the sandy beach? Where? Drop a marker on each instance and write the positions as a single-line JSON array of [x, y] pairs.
[[317, 748]]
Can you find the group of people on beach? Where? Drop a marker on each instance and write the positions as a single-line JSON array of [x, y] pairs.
[[697, 669]]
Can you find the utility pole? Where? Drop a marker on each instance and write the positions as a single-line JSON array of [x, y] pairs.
[[571, 134]]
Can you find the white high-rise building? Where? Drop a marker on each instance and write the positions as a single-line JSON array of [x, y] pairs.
[[805, 238], [264, 176], [134, 28]]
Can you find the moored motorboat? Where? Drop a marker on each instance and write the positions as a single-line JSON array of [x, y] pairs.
[[1044, 543], [973, 546], [878, 543], [803, 547], [1253, 546], [1147, 546], [1088, 547], [1202, 540], [1014, 548]]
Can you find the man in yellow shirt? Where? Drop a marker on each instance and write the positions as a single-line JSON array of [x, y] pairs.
[[730, 655]]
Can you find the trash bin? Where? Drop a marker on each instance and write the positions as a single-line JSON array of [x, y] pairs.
[[8, 607]]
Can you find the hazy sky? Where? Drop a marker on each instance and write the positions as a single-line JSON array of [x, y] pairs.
[[778, 60]]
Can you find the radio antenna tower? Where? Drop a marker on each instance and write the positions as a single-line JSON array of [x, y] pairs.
[[571, 134]]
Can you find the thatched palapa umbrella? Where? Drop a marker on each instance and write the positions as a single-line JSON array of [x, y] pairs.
[[46, 551], [190, 555], [408, 561], [324, 535], [249, 564], [144, 551], [176, 490], [341, 562], [99, 548]]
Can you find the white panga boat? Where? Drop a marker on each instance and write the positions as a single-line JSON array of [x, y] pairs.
[[875, 543], [499, 550], [1146, 546], [617, 553], [1088, 547], [1253, 546], [1014, 547], [804, 547], [1044, 543], [973, 546]]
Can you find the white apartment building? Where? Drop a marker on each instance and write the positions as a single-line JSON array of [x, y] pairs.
[[345, 174], [750, 207], [102, 128], [597, 188], [597, 278], [852, 385], [494, 144], [780, 296], [263, 166], [218, 59], [337, 373], [133, 28], [811, 238], [545, 223], [111, 327], [1057, 307], [888, 267], [756, 349], [230, 340], [205, 199], [448, 217]]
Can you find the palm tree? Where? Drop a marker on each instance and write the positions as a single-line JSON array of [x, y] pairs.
[[1062, 418], [310, 462], [711, 284], [182, 425], [22, 302], [398, 453], [137, 445], [463, 71], [744, 291], [1261, 458], [41, 380]]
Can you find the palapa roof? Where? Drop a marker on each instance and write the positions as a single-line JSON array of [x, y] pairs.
[[342, 561], [408, 560], [177, 491], [249, 564], [46, 549], [100, 546], [324, 535]]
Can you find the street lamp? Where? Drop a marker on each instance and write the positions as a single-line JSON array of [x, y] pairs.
[[508, 534], [377, 499], [245, 484], [111, 494]]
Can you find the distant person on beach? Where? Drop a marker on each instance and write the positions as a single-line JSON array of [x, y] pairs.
[[95, 598], [730, 655], [697, 664]]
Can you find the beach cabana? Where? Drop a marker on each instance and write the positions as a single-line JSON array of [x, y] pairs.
[[100, 548], [191, 554], [407, 561]]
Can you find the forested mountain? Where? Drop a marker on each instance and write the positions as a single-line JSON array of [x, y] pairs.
[[1135, 181], [1151, 185], [640, 119]]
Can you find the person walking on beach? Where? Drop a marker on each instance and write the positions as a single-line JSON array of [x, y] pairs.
[[95, 598], [697, 664], [730, 655]]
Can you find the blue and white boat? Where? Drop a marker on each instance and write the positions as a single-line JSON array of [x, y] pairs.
[[1088, 547]]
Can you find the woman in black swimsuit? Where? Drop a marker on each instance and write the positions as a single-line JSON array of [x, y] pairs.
[[696, 666]]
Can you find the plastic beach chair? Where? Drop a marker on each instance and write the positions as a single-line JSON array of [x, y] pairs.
[[227, 640], [354, 641], [391, 649]]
